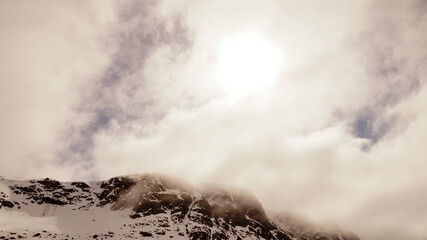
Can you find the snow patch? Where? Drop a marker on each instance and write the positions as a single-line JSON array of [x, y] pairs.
[[20, 221]]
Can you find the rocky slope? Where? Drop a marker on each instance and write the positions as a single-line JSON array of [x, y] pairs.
[[135, 207]]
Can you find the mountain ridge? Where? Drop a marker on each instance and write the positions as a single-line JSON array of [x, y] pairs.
[[140, 206]]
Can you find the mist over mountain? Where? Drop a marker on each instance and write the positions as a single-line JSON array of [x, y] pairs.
[[142, 206]]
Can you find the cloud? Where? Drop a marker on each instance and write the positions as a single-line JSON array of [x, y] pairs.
[[122, 93], [132, 88], [47, 52]]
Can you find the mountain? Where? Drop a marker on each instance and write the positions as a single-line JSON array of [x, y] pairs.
[[135, 207]]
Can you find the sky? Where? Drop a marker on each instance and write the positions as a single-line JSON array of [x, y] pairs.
[[316, 107]]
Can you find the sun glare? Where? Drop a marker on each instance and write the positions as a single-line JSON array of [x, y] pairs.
[[248, 63]]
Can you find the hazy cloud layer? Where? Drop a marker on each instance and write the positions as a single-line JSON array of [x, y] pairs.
[[104, 89], [121, 94]]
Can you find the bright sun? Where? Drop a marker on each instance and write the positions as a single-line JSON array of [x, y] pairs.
[[248, 63]]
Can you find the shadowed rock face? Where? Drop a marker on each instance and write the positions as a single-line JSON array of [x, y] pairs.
[[165, 205]]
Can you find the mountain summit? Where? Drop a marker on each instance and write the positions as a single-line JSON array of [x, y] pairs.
[[134, 207]]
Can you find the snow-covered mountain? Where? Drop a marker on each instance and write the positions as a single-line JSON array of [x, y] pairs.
[[135, 207]]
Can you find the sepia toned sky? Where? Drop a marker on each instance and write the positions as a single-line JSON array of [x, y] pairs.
[[317, 107]]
